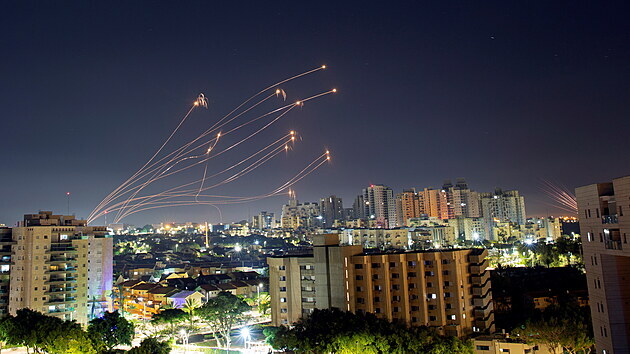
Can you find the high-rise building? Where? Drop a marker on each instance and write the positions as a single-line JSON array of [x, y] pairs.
[[380, 205], [61, 267], [434, 203], [604, 223], [502, 206], [331, 210], [448, 290], [460, 200], [407, 207], [263, 221], [297, 215], [6, 242]]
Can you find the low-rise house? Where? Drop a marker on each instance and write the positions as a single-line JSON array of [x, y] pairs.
[[179, 299]]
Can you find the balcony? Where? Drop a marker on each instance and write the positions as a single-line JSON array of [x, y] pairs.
[[61, 301], [61, 280], [613, 245], [610, 219], [53, 260], [69, 309], [62, 249], [61, 291], [61, 270]]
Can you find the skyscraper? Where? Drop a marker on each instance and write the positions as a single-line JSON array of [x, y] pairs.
[[380, 204], [502, 206], [603, 209], [461, 201], [407, 206], [331, 210]]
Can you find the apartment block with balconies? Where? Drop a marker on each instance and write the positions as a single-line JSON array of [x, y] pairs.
[[448, 290], [604, 226], [49, 266]]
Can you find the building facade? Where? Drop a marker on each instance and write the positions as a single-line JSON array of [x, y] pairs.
[[605, 226], [51, 269], [448, 290]]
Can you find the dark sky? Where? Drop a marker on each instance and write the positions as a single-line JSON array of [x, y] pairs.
[[504, 93]]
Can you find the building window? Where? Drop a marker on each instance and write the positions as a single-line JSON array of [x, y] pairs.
[[375, 277], [411, 263], [360, 300], [282, 267], [446, 261], [283, 278], [432, 318], [396, 309], [483, 347], [395, 287], [429, 285], [284, 310], [377, 287], [392, 264], [447, 294], [428, 274], [395, 275], [377, 299], [445, 272], [283, 299], [377, 310], [428, 263], [283, 288], [431, 296], [376, 265], [411, 274], [358, 266], [359, 289]]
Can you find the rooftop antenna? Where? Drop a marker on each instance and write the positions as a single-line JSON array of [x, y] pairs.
[[68, 198]]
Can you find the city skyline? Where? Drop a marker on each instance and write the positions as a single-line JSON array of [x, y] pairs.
[[514, 88]]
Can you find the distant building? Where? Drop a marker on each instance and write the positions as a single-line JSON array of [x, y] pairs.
[[297, 215], [263, 221], [380, 205], [448, 290], [61, 267], [407, 207], [331, 210], [460, 200], [502, 206], [603, 210]]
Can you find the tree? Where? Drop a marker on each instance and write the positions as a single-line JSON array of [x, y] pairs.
[[170, 318], [110, 330], [44, 333], [564, 328], [151, 346], [336, 331], [222, 313], [190, 308]]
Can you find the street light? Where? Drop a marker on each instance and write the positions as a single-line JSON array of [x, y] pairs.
[[245, 333], [184, 334]]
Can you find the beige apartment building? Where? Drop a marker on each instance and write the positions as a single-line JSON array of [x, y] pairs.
[[604, 224], [51, 269], [448, 290]]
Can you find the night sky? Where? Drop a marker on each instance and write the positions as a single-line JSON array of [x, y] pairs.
[[503, 93]]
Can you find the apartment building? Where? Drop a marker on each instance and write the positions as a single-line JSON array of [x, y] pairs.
[[448, 290], [6, 242], [51, 269], [605, 226]]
